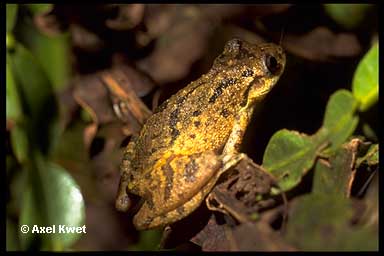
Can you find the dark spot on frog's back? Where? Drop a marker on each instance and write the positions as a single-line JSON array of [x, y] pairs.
[[174, 133], [225, 113], [196, 113], [197, 123], [173, 119], [219, 89], [180, 100], [168, 173], [247, 73], [190, 170]]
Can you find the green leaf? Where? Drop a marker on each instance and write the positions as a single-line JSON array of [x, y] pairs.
[[12, 231], [371, 157], [322, 222], [41, 111], [77, 161], [11, 10], [39, 8], [290, 155], [347, 15], [13, 105], [16, 184], [339, 120], [10, 41], [365, 85], [149, 241], [52, 197], [19, 142], [332, 176], [52, 52]]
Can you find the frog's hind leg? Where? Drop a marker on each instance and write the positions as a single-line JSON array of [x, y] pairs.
[[159, 210], [143, 221], [178, 178]]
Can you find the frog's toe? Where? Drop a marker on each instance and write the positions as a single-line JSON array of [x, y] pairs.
[[123, 203]]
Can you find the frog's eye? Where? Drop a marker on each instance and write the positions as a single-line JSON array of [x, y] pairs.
[[272, 65]]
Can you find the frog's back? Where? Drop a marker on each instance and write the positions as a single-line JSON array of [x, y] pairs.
[[191, 121]]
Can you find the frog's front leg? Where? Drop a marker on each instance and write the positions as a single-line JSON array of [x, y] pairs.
[[230, 154], [232, 146]]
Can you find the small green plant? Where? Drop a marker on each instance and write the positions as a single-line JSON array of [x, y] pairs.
[[334, 157], [42, 193]]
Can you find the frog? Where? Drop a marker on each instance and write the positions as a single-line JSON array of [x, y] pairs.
[[195, 136]]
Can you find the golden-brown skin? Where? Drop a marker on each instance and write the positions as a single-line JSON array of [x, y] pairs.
[[194, 136]]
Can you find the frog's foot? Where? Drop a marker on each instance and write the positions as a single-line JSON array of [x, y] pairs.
[[143, 219]]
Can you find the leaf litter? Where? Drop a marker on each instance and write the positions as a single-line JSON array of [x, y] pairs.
[[247, 214]]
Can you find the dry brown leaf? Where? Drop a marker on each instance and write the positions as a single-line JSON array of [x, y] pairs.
[[119, 88], [85, 39], [258, 236], [89, 134], [212, 237], [179, 46], [129, 16], [244, 193], [322, 44]]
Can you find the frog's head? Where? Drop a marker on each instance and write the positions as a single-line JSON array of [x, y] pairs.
[[258, 66]]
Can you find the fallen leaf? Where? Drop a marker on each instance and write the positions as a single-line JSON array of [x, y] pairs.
[[321, 44], [123, 86], [244, 193], [336, 175], [365, 86], [257, 237], [212, 237], [85, 39], [322, 222], [188, 38], [129, 16], [290, 155]]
